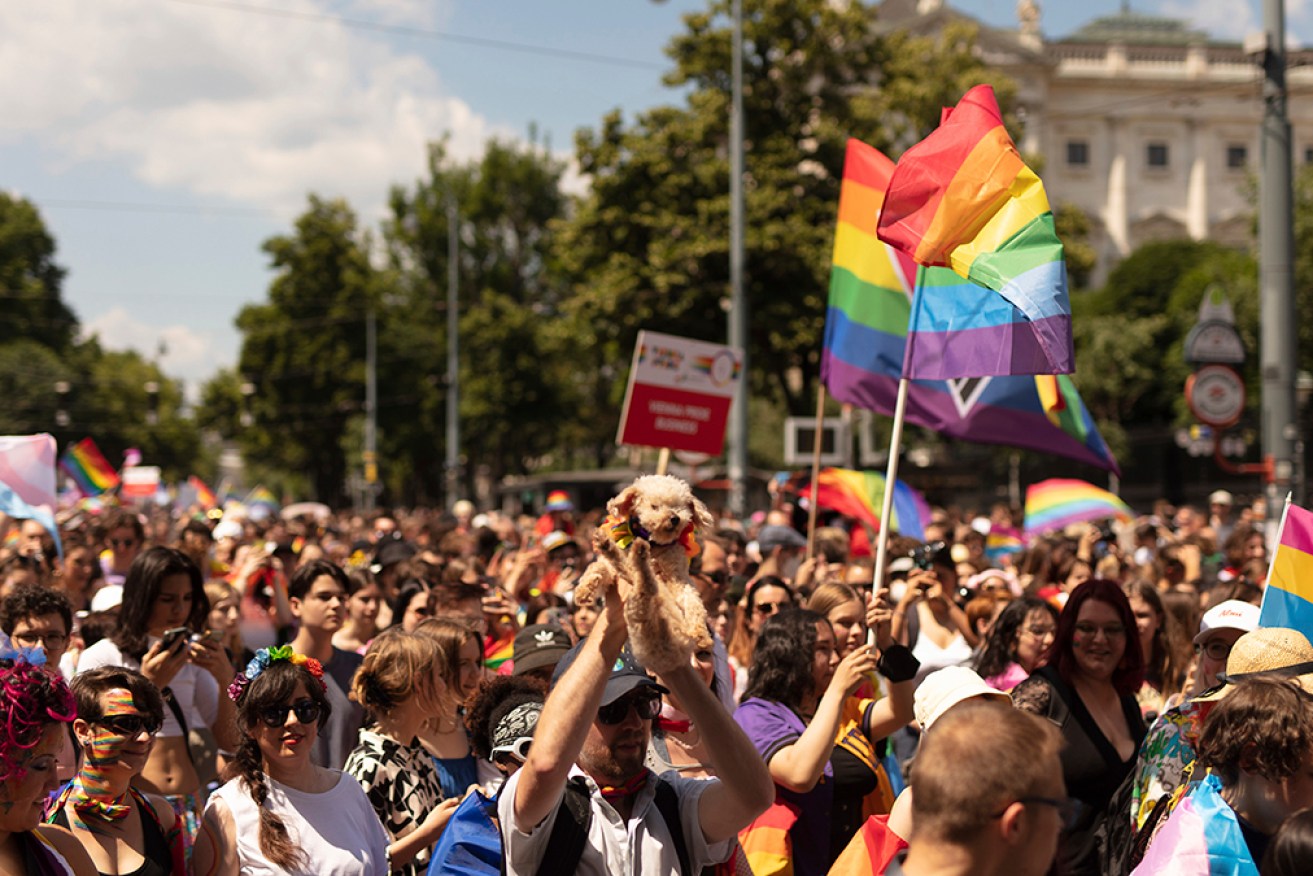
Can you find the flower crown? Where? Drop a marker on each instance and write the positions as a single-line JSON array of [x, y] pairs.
[[262, 660]]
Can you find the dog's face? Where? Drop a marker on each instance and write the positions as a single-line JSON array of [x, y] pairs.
[[662, 506]]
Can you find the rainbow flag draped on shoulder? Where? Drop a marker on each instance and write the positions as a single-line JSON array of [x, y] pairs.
[[866, 326], [963, 199], [1288, 597]]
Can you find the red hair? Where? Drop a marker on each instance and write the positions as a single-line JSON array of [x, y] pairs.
[[1129, 674]]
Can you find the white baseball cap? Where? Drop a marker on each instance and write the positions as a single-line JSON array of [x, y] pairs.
[[944, 688], [107, 598], [1230, 615]]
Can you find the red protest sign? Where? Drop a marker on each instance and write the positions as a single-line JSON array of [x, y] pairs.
[[679, 393]]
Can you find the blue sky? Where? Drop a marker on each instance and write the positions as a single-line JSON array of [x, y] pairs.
[[163, 140]]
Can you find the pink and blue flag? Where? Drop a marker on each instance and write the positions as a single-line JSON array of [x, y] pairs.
[[1288, 596], [27, 480], [1200, 838]]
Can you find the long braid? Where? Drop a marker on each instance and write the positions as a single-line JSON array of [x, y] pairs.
[[275, 841]]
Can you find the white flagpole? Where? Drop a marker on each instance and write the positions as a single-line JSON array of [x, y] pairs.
[[887, 506], [1276, 545]]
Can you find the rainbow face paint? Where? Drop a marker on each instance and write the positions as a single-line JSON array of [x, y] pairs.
[[91, 792]]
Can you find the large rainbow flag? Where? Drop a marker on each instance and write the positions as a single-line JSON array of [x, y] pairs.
[[860, 495], [1288, 597], [87, 466], [963, 199], [866, 323]]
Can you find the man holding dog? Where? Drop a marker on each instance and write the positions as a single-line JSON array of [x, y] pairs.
[[593, 734]]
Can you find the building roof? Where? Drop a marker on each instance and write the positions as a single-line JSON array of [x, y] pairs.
[[1139, 29]]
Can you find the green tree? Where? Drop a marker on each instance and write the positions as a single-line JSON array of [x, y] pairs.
[[304, 349], [647, 247], [30, 279]]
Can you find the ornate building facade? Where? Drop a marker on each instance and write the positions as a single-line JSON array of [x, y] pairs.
[[1147, 125]]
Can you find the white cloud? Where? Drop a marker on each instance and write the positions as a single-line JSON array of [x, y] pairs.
[[253, 108], [191, 355], [1228, 19]]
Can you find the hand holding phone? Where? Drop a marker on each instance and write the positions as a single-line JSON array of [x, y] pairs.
[[173, 636]]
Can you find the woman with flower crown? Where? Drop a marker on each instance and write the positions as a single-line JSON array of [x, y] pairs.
[[283, 815], [35, 704]]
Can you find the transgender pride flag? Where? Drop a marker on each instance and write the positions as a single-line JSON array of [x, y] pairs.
[[27, 480], [1200, 838], [1288, 597]]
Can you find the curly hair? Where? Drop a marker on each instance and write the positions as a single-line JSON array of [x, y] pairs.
[[34, 601], [490, 703], [778, 674], [274, 686], [31, 698], [1263, 726], [1000, 646]]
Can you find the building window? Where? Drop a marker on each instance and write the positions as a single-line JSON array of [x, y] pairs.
[[1238, 156], [1308, 154], [1078, 153], [1156, 155]]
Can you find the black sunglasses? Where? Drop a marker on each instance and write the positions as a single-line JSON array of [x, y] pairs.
[[129, 725], [307, 712], [613, 713]]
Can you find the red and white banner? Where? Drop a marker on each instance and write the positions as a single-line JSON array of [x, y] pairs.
[[679, 393]]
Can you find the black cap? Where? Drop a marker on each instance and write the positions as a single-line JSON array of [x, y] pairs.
[[539, 645], [626, 674], [390, 553]]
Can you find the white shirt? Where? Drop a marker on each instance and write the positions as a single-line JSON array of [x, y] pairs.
[[193, 687], [640, 847]]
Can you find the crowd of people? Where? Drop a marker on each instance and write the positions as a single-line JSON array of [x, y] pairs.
[[419, 692]]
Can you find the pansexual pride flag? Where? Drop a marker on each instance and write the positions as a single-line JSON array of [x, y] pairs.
[[866, 333], [860, 495], [1056, 503], [88, 468], [963, 199], [1288, 598]]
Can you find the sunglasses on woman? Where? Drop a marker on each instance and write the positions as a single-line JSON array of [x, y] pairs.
[[129, 725], [306, 711], [613, 713]]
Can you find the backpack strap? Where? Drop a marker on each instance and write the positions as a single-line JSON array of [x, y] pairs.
[[569, 831], [667, 803]]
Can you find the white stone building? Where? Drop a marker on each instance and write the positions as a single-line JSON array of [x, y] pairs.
[[1147, 125]]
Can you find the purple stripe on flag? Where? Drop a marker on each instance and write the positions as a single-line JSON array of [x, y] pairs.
[[934, 409], [1012, 348], [1298, 531]]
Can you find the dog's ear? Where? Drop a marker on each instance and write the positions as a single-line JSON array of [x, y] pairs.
[[702, 518], [622, 506]]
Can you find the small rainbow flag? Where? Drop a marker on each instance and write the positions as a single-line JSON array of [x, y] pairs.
[[1002, 543], [1288, 597], [963, 198], [1058, 502], [498, 651], [860, 495], [88, 468], [204, 495], [262, 497]]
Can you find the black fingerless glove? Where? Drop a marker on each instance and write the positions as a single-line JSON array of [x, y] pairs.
[[897, 664]]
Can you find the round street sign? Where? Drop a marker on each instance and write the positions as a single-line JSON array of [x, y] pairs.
[[1216, 395]]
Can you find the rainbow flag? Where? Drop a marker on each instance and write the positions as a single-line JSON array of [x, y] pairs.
[[1288, 597], [963, 199], [1059, 502], [866, 333], [87, 466], [498, 651], [1002, 543], [204, 495], [262, 497], [860, 495]]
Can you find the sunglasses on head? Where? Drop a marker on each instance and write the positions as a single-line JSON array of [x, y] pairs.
[[306, 711], [613, 713], [517, 751], [129, 725]]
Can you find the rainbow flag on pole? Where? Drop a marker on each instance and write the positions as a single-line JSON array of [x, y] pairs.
[[1288, 598], [866, 323], [1058, 502], [87, 466], [963, 199], [860, 495], [204, 495]]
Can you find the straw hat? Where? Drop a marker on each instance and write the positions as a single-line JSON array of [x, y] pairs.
[[1270, 652]]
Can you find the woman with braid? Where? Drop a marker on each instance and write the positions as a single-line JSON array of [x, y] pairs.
[[283, 815], [126, 832]]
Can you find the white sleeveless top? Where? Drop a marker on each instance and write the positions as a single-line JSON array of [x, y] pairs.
[[337, 830]]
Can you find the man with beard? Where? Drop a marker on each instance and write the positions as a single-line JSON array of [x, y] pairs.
[[584, 781]]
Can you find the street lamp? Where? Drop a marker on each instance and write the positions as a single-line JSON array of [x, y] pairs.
[[62, 389], [247, 389], [152, 403]]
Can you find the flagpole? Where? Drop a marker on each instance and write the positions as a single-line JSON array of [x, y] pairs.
[[816, 471], [1281, 529], [887, 505]]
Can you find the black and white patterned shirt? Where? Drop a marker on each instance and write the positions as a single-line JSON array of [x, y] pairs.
[[402, 785]]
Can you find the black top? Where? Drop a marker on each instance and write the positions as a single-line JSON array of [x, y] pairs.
[[853, 780], [1255, 839], [1091, 766], [158, 859]]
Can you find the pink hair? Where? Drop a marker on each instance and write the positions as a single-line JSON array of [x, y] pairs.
[[31, 697]]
